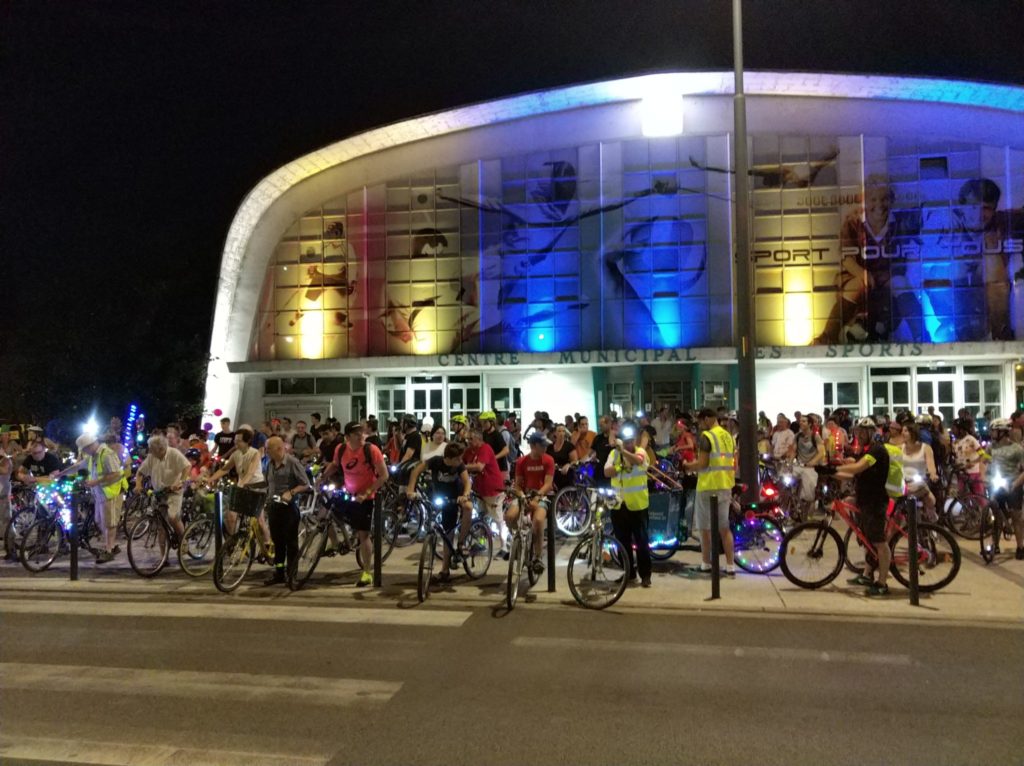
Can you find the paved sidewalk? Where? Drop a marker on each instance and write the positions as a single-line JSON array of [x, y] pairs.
[[980, 594]]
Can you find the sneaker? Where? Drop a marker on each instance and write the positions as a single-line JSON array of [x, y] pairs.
[[456, 558], [364, 579], [117, 549], [878, 591], [633, 582], [104, 557], [276, 577], [860, 580], [537, 566], [645, 583], [441, 578], [702, 569], [503, 554], [730, 571]]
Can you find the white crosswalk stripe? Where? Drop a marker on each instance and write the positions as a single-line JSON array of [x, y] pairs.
[[17, 750], [430, 618], [711, 650]]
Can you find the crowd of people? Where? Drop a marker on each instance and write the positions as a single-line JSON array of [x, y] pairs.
[[488, 456]]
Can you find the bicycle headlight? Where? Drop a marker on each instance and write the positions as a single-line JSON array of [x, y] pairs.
[[439, 502], [999, 482], [393, 469], [787, 480]]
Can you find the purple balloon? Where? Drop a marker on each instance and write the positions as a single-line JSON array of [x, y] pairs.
[[207, 426]]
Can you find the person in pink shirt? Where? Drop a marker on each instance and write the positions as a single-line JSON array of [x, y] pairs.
[[488, 483]]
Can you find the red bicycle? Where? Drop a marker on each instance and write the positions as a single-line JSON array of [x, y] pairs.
[[813, 553]]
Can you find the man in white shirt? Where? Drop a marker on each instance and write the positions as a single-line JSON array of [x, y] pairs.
[[783, 440], [663, 428], [166, 468]]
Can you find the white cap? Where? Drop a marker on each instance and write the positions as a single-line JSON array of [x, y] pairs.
[[85, 440], [428, 423]]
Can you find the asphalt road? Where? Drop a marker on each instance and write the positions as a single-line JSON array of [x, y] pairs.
[[133, 680]]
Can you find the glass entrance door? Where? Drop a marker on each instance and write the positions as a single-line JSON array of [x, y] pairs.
[[983, 389], [428, 399], [843, 395], [937, 391], [890, 394]]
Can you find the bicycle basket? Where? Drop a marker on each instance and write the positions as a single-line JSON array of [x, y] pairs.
[[244, 501]]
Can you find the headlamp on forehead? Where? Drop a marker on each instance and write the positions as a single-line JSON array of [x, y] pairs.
[[628, 432]]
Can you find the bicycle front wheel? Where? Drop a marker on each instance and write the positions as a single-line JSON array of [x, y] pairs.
[[937, 556], [311, 549], [572, 511], [812, 555], [856, 554], [516, 554], [40, 545], [597, 571], [426, 567], [758, 545], [147, 550], [478, 550], [196, 551], [235, 560]]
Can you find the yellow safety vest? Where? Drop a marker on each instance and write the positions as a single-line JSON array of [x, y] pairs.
[[721, 472], [632, 485], [894, 479], [96, 472]]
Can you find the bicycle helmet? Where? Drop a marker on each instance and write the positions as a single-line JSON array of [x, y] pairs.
[[924, 419], [1000, 424], [865, 423], [408, 422], [538, 438], [192, 454], [460, 419], [487, 415], [628, 430]]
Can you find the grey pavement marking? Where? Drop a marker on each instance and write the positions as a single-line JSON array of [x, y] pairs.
[[432, 618], [705, 650], [188, 684]]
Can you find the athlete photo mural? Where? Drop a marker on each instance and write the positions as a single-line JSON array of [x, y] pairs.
[[855, 239]]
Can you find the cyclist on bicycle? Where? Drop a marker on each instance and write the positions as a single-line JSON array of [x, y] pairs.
[[449, 491], [364, 472], [535, 476], [246, 462], [870, 474], [487, 483], [167, 469], [1007, 478]]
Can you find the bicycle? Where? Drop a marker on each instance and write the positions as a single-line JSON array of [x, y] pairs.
[[520, 551], [598, 570], [995, 520], [571, 505], [813, 553], [152, 537], [239, 549], [46, 538], [475, 554], [409, 516], [961, 508], [315, 533], [26, 509]]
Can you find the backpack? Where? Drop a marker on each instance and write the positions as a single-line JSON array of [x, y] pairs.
[[514, 453], [367, 456]]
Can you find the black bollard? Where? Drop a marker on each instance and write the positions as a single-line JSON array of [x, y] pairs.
[[218, 524], [716, 549], [378, 536], [551, 549], [912, 543]]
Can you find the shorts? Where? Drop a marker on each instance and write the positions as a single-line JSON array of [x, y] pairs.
[[449, 513], [871, 520], [1009, 501], [358, 515], [108, 510], [702, 509], [174, 505], [492, 505]]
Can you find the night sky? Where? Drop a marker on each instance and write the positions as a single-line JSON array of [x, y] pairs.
[[131, 131]]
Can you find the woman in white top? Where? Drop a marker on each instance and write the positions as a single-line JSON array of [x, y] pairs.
[[919, 468], [435, 445]]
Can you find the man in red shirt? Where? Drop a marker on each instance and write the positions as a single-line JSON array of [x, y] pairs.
[[488, 483], [363, 473], [535, 477]]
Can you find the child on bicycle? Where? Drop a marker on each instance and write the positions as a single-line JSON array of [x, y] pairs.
[[1007, 478], [535, 477], [449, 492]]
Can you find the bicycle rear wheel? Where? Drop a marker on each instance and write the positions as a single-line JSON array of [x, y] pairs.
[[409, 521], [516, 555], [478, 550], [572, 511], [812, 555], [147, 551], [196, 551], [235, 560], [597, 571], [938, 558], [758, 545], [41, 545], [964, 515], [311, 549], [426, 567]]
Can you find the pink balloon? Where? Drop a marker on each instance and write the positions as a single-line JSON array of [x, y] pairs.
[[218, 412], [207, 426]]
